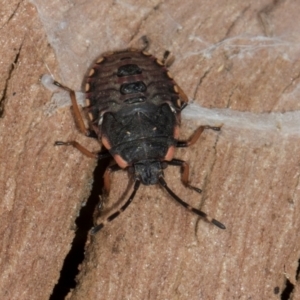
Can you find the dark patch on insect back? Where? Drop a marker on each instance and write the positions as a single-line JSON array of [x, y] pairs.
[[134, 87], [129, 69], [135, 100]]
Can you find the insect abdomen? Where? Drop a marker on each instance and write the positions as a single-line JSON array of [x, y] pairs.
[[126, 78], [134, 106]]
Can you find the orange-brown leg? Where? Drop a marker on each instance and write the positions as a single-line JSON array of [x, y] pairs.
[[79, 147], [77, 115], [184, 165], [184, 173], [106, 189], [193, 139], [79, 122], [106, 177], [83, 150], [185, 177]]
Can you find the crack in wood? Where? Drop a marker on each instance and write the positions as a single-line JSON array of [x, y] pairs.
[[10, 72], [200, 82]]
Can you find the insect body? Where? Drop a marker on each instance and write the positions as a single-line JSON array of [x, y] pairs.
[[134, 107]]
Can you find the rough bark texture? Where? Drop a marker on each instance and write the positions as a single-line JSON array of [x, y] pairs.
[[238, 59]]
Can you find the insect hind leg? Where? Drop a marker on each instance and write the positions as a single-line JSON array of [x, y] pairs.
[[78, 146], [194, 138], [184, 173], [77, 114]]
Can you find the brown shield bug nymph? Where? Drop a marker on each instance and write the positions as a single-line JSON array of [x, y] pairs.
[[134, 107]]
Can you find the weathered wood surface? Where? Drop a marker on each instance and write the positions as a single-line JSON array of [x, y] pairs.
[[240, 60]]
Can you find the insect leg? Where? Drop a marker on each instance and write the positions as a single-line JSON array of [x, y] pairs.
[[77, 115], [117, 213], [79, 147], [106, 176], [193, 139], [190, 208], [106, 183], [184, 173]]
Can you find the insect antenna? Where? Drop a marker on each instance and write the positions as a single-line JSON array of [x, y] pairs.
[[187, 206], [95, 229]]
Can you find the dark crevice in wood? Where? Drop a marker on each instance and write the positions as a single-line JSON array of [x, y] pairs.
[[287, 292], [298, 270], [84, 223]]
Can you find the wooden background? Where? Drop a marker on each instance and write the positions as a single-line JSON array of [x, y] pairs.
[[238, 62]]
